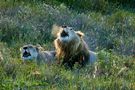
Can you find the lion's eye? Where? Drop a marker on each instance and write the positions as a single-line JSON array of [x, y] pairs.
[[71, 28]]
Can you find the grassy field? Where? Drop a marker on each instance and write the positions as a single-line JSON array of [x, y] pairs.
[[109, 30]]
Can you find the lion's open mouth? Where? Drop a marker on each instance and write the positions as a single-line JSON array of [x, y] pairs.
[[64, 34], [26, 54]]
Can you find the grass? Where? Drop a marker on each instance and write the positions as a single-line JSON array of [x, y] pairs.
[[111, 35], [24, 76]]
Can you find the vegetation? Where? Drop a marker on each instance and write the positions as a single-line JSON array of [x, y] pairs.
[[109, 27]]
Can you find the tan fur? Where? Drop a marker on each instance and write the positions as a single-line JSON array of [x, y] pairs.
[[71, 47], [55, 30], [37, 53]]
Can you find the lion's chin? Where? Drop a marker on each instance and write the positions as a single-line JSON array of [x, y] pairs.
[[64, 40]]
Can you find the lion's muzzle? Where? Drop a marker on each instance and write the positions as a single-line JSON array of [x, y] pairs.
[[64, 33], [26, 54]]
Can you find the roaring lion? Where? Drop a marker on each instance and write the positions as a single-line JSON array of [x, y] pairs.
[[30, 52], [71, 48]]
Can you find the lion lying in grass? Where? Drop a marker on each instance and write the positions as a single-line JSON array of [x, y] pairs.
[[30, 52]]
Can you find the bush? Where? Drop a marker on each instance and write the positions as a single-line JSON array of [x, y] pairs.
[[32, 23]]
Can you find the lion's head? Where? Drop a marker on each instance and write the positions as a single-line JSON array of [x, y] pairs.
[[29, 52], [68, 38], [68, 34]]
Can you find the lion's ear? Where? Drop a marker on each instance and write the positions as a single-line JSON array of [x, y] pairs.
[[38, 47], [79, 33], [20, 48]]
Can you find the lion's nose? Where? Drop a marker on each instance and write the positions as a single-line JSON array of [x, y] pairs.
[[64, 26], [25, 47]]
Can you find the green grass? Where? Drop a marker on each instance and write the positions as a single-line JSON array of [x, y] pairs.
[[17, 75], [111, 35]]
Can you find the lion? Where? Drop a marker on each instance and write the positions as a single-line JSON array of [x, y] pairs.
[[71, 48], [31, 52]]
